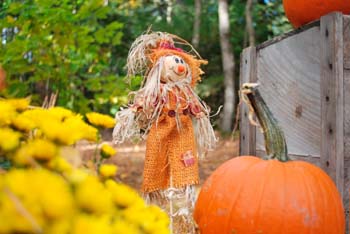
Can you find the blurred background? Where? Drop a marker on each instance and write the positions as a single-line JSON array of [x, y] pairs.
[[73, 52]]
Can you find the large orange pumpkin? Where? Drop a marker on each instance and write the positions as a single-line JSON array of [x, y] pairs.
[[249, 195], [300, 12]]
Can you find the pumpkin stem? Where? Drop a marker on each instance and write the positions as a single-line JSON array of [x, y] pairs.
[[275, 143]]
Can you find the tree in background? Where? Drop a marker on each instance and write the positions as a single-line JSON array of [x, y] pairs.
[[196, 23], [228, 62], [51, 46], [249, 22], [79, 47]]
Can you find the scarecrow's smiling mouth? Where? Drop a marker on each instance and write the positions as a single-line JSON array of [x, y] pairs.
[[176, 72]]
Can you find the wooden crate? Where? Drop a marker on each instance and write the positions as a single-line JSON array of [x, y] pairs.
[[304, 78]]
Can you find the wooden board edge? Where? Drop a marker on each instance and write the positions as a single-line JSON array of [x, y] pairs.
[[248, 73], [332, 98]]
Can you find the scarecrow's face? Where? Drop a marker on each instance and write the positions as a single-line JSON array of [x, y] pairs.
[[174, 69]]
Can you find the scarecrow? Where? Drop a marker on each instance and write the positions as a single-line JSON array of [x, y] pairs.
[[175, 121]]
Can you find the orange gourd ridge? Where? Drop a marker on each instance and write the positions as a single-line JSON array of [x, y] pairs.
[[249, 195], [300, 12]]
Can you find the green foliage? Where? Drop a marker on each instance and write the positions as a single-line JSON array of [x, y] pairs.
[[5, 164], [79, 47], [271, 18], [64, 46]]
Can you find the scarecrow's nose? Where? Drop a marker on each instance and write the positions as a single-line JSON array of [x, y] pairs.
[[180, 69]]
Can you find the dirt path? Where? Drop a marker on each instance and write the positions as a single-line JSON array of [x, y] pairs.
[[130, 160]]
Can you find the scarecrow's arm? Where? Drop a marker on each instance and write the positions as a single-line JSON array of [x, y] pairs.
[[197, 108]]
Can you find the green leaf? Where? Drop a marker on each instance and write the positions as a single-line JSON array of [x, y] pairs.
[[5, 164]]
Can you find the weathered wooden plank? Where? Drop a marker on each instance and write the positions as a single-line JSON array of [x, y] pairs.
[[289, 77], [346, 140], [288, 34], [314, 160], [346, 41], [247, 74], [332, 98]]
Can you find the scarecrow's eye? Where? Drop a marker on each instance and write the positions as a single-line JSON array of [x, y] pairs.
[[177, 60], [181, 61]]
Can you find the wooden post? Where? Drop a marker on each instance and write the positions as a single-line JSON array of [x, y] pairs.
[[346, 41], [248, 73], [332, 98]]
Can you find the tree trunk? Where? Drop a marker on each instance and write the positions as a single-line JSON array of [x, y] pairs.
[[228, 62], [249, 22], [169, 11], [197, 23]]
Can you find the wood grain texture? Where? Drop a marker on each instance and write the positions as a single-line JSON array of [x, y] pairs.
[[346, 142], [332, 98], [288, 34], [289, 74], [314, 160], [346, 41], [247, 74]]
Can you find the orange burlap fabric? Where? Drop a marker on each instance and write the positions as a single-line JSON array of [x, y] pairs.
[[166, 144]]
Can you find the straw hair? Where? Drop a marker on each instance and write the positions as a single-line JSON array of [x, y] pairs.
[[148, 48]]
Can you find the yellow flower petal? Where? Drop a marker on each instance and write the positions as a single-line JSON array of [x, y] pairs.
[[123, 196], [60, 112], [8, 112], [100, 120], [88, 224], [19, 104], [9, 139], [92, 196], [107, 151], [38, 149], [23, 123], [108, 170]]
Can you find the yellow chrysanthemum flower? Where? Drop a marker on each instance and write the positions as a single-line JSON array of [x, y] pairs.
[[123, 195], [39, 197], [100, 120], [37, 115], [89, 224], [91, 189], [59, 164], [53, 114], [107, 151], [108, 170], [122, 226], [38, 149], [69, 131], [149, 218], [8, 112], [9, 139], [86, 131], [77, 176], [23, 123], [59, 125], [19, 104], [59, 132], [59, 226], [60, 112], [55, 187]]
